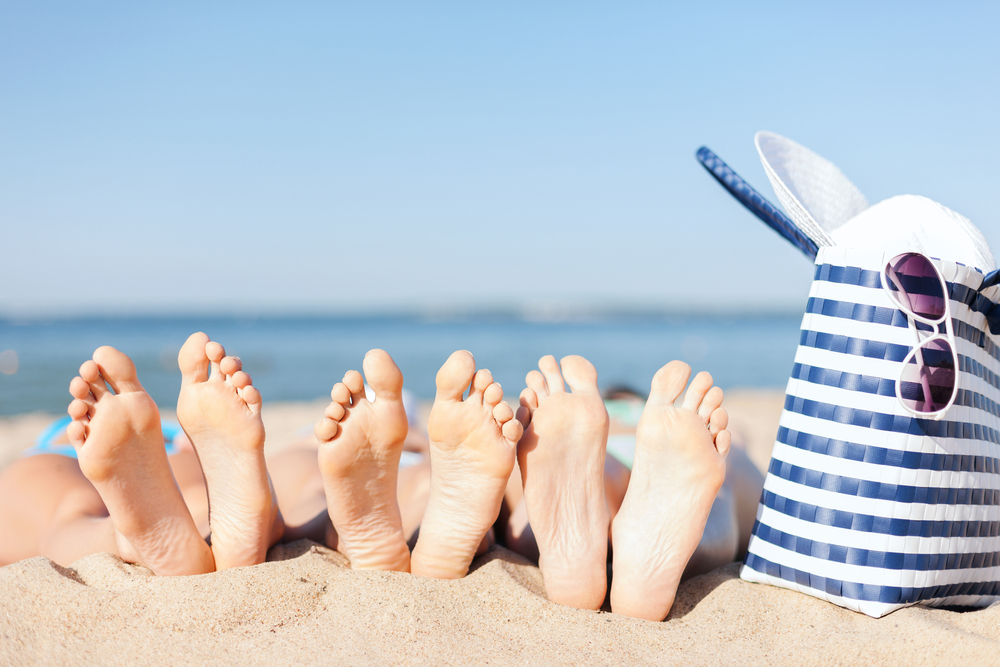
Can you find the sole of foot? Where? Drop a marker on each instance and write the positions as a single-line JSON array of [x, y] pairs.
[[360, 445], [473, 442], [219, 409], [561, 457], [680, 464], [120, 449]]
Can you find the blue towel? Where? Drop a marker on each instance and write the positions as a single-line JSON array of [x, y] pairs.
[[45, 444]]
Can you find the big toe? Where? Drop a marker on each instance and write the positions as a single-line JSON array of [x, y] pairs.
[[580, 374], [668, 383], [192, 359], [117, 369], [383, 375], [455, 376]]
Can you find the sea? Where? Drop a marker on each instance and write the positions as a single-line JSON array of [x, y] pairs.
[[296, 358]]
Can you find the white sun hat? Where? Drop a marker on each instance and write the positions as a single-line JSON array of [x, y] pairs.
[[831, 210], [812, 190]]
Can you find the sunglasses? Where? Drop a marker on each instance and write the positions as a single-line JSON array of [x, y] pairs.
[[928, 381]]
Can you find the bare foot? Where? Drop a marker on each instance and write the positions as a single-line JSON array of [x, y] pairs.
[[219, 409], [472, 448], [119, 445], [361, 442], [561, 458], [680, 463]]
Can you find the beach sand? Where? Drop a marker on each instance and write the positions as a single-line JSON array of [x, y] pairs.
[[305, 606]]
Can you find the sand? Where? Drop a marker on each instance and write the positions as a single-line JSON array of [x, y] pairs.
[[305, 606]]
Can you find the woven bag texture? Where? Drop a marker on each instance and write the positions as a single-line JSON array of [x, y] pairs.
[[865, 505]]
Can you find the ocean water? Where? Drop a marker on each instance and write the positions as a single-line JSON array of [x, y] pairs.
[[300, 358]]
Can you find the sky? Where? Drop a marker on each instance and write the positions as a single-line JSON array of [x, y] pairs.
[[272, 158]]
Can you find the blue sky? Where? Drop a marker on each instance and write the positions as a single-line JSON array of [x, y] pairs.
[[298, 157]]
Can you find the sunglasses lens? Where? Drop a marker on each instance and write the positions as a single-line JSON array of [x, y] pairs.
[[928, 380], [916, 285]]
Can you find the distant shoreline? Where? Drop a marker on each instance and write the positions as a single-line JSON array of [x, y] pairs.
[[530, 314]]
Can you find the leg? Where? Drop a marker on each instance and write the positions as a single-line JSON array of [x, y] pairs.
[[298, 487], [730, 522], [719, 540], [361, 443], [680, 464], [187, 471], [220, 412], [562, 458], [413, 491], [747, 483], [472, 452], [48, 508], [120, 450]]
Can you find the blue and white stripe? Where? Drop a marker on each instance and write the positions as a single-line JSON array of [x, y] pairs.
[[865, 505]]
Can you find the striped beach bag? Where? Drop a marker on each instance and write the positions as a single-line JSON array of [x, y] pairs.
[[883, 488]]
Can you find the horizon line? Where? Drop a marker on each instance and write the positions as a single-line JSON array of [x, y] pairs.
[[531, 313]]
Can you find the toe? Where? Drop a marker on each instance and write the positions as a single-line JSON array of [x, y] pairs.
[[480, 382], [580, 374], [718, 422], [78, 409], [230, 365], [215, 353], [356, 385], [502, 413], [529, 399], [192, 359], [523, 416], [117, 369], [711, 402], [723, 442], [341, 394], [700, 385], [326, 429], [78, 388], [553, 378], [335, 411], [493, 394], [529, 403], [77, 433], [240, 379], [512, 430], [455, 376], [668, 383], [536, 382], [383, 375], [90, 373], [251, 396]]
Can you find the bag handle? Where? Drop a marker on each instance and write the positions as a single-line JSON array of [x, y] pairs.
[[756, 202]]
